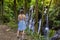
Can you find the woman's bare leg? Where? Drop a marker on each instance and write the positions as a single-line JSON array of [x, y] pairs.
[[17, 33], [23, 35]]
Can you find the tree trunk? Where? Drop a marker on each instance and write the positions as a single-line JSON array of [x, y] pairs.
[[25, 6], [36, 16], [1, 11], [15, 11]]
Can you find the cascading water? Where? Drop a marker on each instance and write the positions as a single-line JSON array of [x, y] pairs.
[[31, 21], [27, 18], [39, 25], [46, 31]]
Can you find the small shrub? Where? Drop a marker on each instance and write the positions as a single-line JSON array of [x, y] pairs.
[[34, 35], [12, 25]]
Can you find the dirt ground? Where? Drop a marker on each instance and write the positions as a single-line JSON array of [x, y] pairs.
[[6, 33]]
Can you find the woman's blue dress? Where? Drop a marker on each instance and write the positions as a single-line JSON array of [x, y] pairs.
[[21, 25]]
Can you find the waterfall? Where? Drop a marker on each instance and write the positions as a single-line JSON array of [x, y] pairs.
[[46, 30], [31, 24], [39, 25], [31, 21], [27, 18]]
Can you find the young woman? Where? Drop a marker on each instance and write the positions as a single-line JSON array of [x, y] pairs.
[[21, 24]]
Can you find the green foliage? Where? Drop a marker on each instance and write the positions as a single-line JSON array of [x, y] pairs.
[[12, 25], [19, 4], [54, 10], [34, 35], [51, 33], [57, 23], [53, 16], [6, 18], [32, 2]]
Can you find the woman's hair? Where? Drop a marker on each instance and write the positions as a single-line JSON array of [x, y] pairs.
[[21, 11]]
